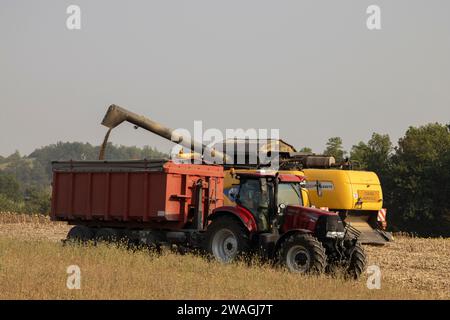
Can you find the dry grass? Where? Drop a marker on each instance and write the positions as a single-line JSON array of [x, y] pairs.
[[33, 266], [419, 264], [25, 226]]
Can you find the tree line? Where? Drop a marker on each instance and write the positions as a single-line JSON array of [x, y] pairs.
[[25, 181], [415, 174]]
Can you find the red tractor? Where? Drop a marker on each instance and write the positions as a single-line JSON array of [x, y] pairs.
[[270, 219]]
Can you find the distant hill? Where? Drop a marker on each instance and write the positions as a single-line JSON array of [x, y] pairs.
[[35, 169]]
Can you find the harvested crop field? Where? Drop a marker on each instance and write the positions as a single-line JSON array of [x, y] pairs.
[[33, 265]]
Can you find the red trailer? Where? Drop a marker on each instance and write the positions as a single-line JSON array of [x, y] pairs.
[[115, 196]]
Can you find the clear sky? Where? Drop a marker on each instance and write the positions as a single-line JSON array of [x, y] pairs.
[[310, 68]]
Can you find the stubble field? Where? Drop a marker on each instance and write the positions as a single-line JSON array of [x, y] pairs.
[[33, 265]]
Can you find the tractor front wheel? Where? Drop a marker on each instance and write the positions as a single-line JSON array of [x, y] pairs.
[[226, 239], [303, 253], [357, 262]]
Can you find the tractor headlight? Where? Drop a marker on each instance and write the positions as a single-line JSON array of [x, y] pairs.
[[335, 234], [330, 226]]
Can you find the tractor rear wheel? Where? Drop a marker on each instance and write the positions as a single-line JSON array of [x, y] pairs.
[[226, 239], [303, 253], [357, 262], [80, 234]]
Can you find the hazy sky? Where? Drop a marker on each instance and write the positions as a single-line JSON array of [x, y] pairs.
[[310, 68]]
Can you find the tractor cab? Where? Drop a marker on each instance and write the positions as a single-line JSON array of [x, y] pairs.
[[264, 193]]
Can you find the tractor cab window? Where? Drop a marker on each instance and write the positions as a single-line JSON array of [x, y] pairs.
[[289, 194], [250, 195], [254, 195]]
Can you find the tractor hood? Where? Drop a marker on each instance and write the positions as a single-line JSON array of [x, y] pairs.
[[313, 213], [312, 220]]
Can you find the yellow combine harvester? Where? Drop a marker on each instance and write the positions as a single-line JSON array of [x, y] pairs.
[[356, 195]]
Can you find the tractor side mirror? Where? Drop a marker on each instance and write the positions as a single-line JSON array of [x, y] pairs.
[[281, 207]]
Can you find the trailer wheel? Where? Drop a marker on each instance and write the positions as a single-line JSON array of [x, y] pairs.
[[80, 234], [357, 262], [303, 253], [106, 235], [226, 239]]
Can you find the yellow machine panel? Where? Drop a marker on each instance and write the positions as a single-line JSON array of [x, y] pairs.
[[344, 189]]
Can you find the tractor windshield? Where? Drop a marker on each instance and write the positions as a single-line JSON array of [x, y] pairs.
[[289, 194]]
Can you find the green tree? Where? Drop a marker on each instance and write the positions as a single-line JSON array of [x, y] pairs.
[[306, 150], [444, 192], [37, 201], [375, 155], [85, 151], [9, 187], [335, 148], [8, 205], [14, 157], [359, 154], [419, 193], [28, 172]]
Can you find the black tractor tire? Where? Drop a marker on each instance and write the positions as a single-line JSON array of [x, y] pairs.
[[227, 239], [357, 262], [106, 235], [333, 268], [80, 234], [303, 253]]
